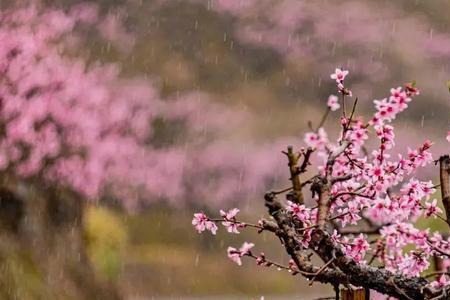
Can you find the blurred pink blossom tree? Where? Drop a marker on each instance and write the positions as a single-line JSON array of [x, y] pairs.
[[83, 126], [69, 124]]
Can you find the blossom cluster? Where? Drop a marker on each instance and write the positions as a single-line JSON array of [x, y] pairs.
[[339, 75], [235, 254], [201, 222], [368, 187]]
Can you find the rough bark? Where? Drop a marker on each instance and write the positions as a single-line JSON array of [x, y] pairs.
[[344, 269], [444, 173], [297, 195]]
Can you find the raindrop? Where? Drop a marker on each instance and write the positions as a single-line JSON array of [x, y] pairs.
[[380, 53], [197, 259], [241, 176], [333, 50]]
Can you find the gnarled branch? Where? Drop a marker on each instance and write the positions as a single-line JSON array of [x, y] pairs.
[[346, 270], [444, 172], [295, 178]]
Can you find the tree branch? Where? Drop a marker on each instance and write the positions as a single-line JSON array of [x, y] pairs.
[[367, 276], [324, 205], [348, 271], [444, 171], [289, 237], [295, 178]]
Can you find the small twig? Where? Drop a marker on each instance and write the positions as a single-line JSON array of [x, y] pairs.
[[338, 216], [321, 270], [281, 191], [374, 256], [343, 105], [278, 265], [334, 154], [353, 109], [317, 225], [350, 194], [392, 282], [243, 224], [323, 120], [440, 251], [309, 181], [299, 230], [306, 158], [353, 162], [350, 119], [341, 178]]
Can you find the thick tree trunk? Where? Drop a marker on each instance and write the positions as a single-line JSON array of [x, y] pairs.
[[42, 248]]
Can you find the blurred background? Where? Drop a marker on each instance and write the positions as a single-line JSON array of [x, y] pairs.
[[240, 80]]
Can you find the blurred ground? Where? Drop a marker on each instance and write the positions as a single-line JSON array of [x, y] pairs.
[[152, 263]]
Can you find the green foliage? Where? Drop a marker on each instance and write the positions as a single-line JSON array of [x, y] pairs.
[[106, 239]]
